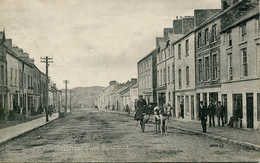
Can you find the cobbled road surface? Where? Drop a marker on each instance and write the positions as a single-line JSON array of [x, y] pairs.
[[90, 135]]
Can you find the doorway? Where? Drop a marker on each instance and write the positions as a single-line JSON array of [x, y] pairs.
[[205, 99], [198, 105], [237, 104], [224, 104], [249, 110], [192, 107]]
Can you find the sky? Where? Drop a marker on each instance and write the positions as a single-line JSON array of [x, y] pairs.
[[91, 41]]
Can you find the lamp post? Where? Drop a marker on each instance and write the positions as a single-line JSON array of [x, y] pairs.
[[46, 60], [66, 82]]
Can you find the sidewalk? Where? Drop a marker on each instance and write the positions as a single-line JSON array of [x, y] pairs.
[[10, 133], [245, 137], [20, 120]]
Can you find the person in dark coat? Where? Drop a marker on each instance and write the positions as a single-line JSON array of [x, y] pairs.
[[220, 113], [211, 113], [141, 104], [203, 116]]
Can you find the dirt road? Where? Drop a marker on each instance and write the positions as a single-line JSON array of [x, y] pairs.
[[88, 135]]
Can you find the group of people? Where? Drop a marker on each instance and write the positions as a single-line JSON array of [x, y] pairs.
[[141, 105], [211, 111]]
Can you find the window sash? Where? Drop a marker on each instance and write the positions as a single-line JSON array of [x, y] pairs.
[[214, 32], [199, 40], [206, 36], [180, 78], [187, 47], [207, 68], [179, 51], [187, 76]]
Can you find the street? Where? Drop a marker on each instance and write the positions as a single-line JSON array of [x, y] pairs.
[[90, 135]]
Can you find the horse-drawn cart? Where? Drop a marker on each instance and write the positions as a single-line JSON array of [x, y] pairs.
[[141, 114]]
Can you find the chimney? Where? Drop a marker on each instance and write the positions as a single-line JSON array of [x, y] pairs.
[[15, 50], [113, 82], [9, 43], [133, 81], [31, 60]]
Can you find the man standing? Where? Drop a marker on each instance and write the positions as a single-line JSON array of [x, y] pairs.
[[141, 104], [211, 111], [203, 116], [220, 113]]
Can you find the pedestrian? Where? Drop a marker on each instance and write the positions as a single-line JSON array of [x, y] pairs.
[[220, 113], [203, 116], [211, 113], [141, 104], [24, 112], [50, 110], [182, 109]]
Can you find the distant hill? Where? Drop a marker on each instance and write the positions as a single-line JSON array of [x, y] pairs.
[[82, 96]]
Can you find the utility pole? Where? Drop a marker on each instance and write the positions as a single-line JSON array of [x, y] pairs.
[[70, 100], [66, 82], [46, 60]]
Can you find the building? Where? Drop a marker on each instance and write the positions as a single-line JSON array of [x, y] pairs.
[[166, 62], [147, 77], [184, 72], [3, 77], [207, 57], [240, 61], [133, 96]]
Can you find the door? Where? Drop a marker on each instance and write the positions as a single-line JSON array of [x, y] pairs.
[[192, 106], [237, 104], [249, 110], [198, 105], [205, 99], [224, 104]]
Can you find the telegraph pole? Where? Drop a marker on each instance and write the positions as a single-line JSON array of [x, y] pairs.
[[70, 100], [46, 60], [66, 82]]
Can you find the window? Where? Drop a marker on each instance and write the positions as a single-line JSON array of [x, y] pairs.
[[187, 76], [187, 47], [29, 82], [172, 53], [200, 69], [2, 75], [229, 35], [258, 27], [243, 32], [11, 76], [215, 67], [173, 73], [164, 76], [169, 74], [161, 78], [179, 78], [150, 81], [158, 78], [207, 68], [230, 67], [206, 36], [245, 68], [15, 79], [199, 39], [169, 97], [179, 51], [214, 32]]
